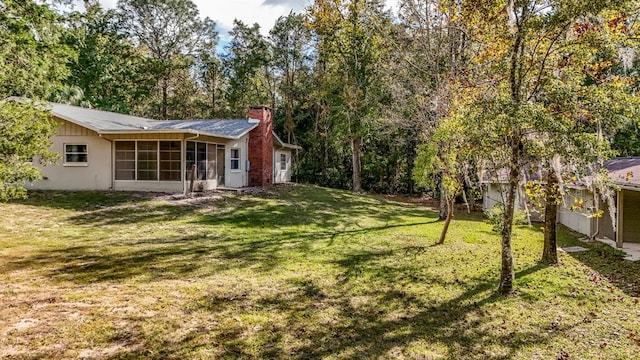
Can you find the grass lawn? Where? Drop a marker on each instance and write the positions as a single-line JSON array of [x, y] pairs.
[[295, 272]]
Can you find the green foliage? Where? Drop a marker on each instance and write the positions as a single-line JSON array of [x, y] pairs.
[[113, 74], [25, 129], [244, 66], [495, 216], [33, 56]]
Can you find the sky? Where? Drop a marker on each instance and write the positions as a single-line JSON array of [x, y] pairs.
[[223, 12]]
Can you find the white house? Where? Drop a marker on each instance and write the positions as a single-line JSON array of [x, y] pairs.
[[102, 150], [624, 173]]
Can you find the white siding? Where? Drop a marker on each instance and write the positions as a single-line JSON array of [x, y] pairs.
[[95, 175], [577, 220], [236, 178], [495, 193]]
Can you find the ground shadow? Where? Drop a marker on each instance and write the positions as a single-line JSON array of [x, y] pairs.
[[370, 330]]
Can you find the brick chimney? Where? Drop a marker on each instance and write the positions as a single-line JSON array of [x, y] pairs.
[[261, 147]]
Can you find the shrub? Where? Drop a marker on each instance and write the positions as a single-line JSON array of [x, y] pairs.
[[496, 213]]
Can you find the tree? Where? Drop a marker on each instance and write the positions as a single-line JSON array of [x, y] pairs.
[[209, 64], [244, 64], [431, 60], [171, 31], [290, 41], [521, 50], [32, 65], [447, 154], [352, 46], [112, 74]]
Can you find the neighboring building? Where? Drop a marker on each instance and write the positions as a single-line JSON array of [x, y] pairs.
[[624, 173], [109, 151]]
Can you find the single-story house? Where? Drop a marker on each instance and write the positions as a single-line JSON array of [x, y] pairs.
[[624, 173], [104, 150]]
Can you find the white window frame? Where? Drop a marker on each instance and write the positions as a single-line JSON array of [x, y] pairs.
[[283, 161], [75, 163], [231, 159]]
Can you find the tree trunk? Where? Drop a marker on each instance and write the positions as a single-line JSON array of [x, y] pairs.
[[549, 253], [355, 157], [466, 202], [507, 274], [443, 213], [165, 90], [443, 234], [213, 94]]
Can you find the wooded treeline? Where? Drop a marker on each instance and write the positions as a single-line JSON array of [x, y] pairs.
[[359, 88]]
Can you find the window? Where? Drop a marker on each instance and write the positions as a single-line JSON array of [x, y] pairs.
[[169, 160], [235, 159], [191, 158], [75, 154], [148, 160], [125, 160], [204, 156], [201, 157], [283, 162]]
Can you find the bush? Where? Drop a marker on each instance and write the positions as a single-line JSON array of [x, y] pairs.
[[496, 213]]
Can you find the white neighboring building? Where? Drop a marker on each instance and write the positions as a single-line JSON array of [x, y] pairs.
[[624, 173]]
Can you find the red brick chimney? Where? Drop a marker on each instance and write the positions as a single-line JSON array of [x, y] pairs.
[[261, 147]]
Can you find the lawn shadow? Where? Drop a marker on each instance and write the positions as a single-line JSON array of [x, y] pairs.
[[377, 327]]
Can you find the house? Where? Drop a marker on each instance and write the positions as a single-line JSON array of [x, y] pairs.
[[625, 228], [103, 150]]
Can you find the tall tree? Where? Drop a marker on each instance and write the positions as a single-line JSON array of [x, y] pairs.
[[291, 41], [171, 31], [521, 49], [352, 41], [244, 64], [32, 65], [431, 57], [112, 74], [209, 65]]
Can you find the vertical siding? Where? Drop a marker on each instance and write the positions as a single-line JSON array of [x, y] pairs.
[[66, 128], [630, 216]]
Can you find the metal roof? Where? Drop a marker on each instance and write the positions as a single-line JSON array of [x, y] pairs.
[[110, 122]]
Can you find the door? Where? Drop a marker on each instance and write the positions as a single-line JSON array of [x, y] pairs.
[[220, 165]]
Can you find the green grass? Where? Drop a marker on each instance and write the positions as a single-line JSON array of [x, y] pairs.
[[295, 272]]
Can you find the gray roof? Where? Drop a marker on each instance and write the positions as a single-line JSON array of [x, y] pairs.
[[624, 171], [109, 122]]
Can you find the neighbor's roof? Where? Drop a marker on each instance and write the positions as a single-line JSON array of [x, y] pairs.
[[624, 171], [106, 122]]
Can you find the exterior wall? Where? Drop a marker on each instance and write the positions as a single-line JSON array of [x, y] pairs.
[[95, 175], [261, 147], [237, 178], [279, 175], [605, 225], [157, 186], [578, 220]]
